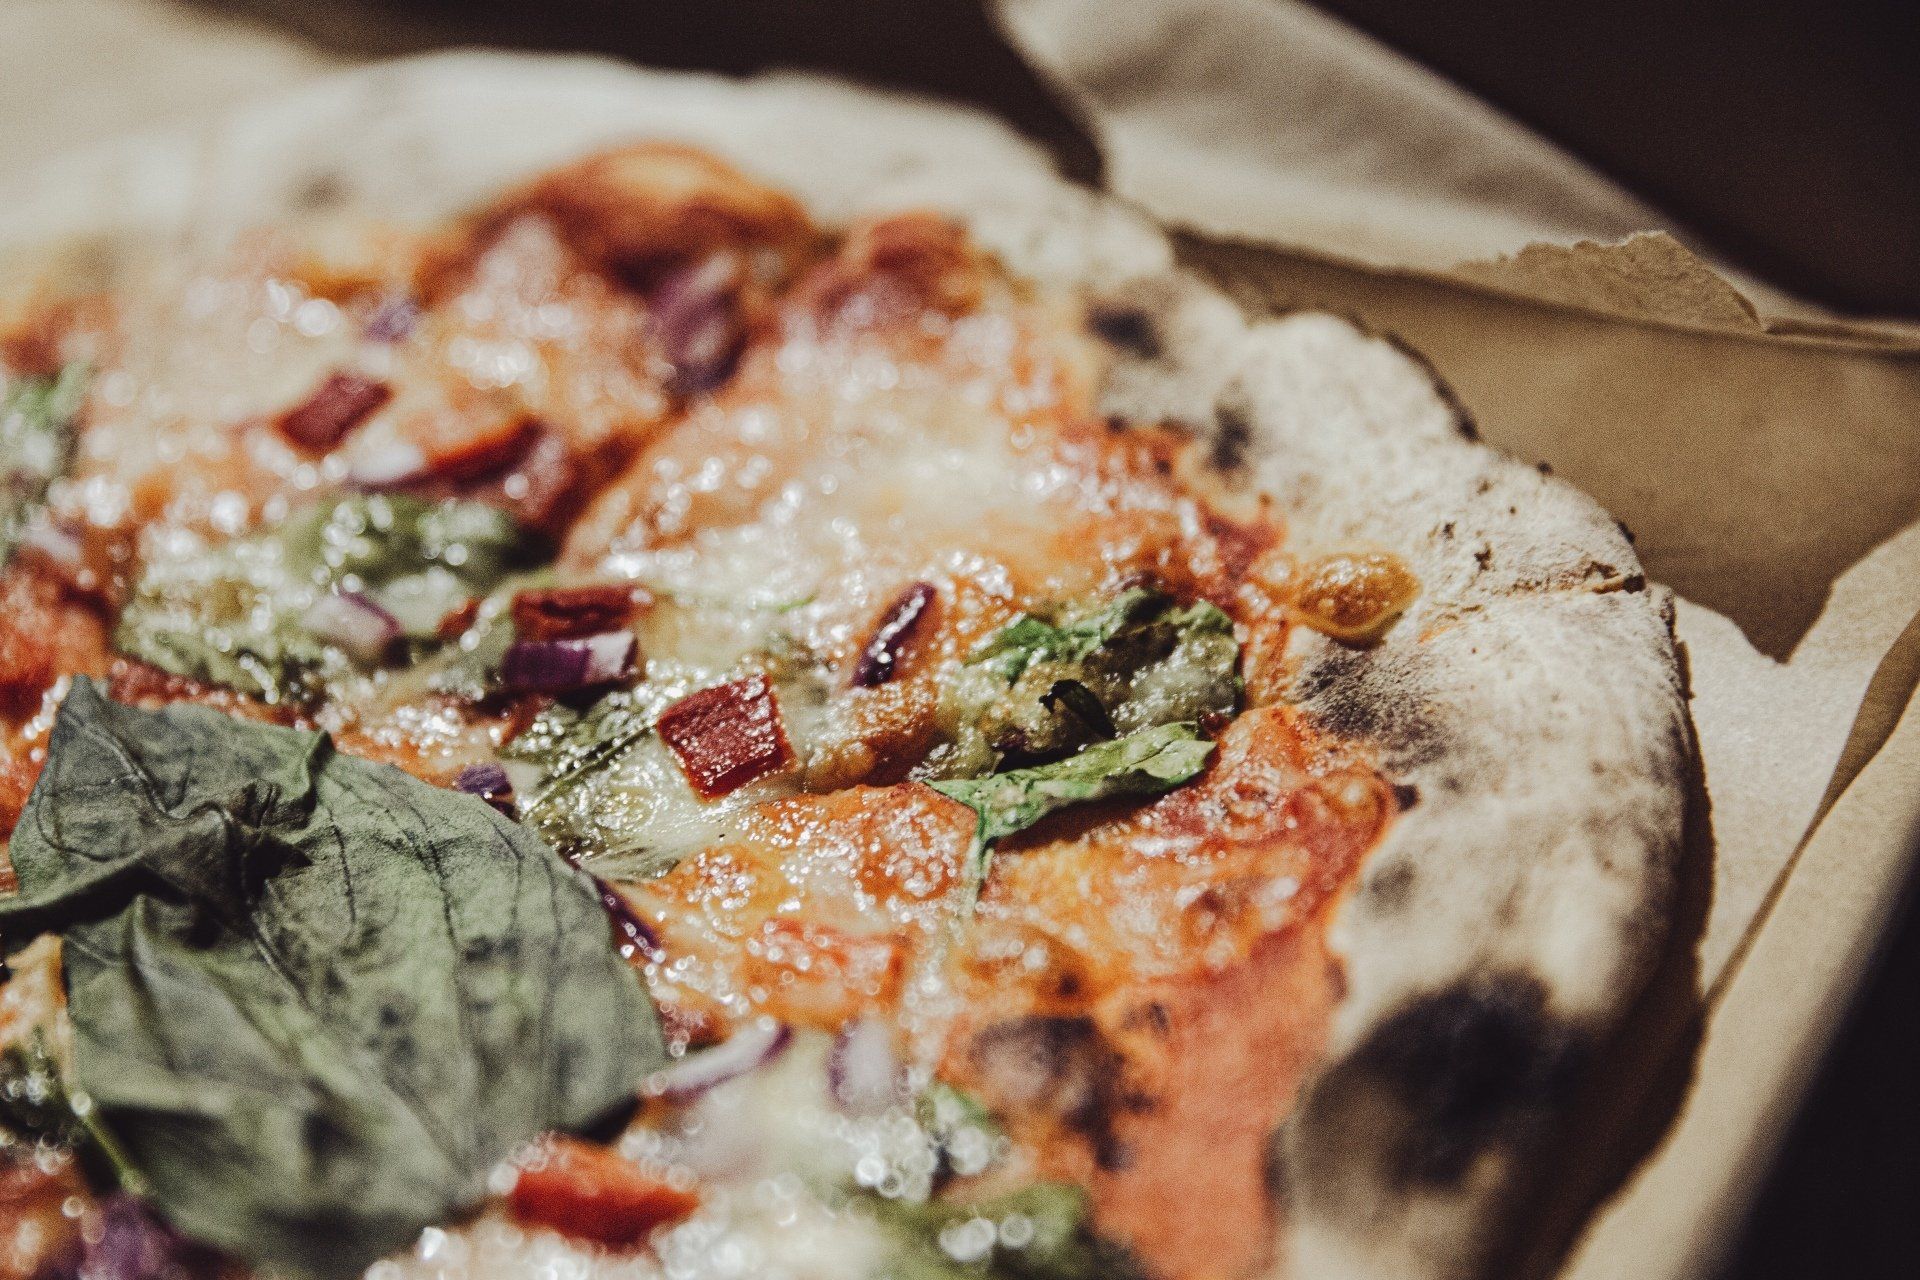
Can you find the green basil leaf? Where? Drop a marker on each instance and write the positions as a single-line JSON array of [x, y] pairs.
[[1146, 763], [314, 998], [1037, 689], [37, 418], [368, 541]]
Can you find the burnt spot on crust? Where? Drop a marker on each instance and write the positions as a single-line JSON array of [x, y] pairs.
[[1477, 1070], [1391, 886], [1127, 327], [1372, 695], [1405, 796], [320, 192], [1232, 437], [1462, 416], [1471, 1067]]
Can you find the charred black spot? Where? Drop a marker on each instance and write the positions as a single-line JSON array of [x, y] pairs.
[[1484, 557], [320, 192], [1372, 696], [1544, 468], [1127, 327], [1232, 435], [1391, 886], [1477, 1066], [1405, 795]]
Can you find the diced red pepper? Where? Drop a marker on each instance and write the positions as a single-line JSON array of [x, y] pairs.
[[727, 736], [590, 1193], [566, 613], [340, 403], [468, 447]]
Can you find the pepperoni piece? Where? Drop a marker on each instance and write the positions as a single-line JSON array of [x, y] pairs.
[[590, 1193], [341, 402], [727, 736]]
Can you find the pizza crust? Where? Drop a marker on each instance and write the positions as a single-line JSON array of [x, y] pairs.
[[1531, 699]]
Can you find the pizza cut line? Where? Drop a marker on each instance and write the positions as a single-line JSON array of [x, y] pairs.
[[636, 731]]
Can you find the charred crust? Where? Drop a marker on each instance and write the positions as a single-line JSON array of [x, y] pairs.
[[1392, 886], [1232, 437], [1127, 328], [1405, 796], [1371, 695], [1477, 1068], [1462, 417]]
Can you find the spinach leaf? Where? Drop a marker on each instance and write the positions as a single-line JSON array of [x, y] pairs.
[[234, 614], [36, 445], [1039, 1232], [1037, 689], [314, 998], [1141, 764]]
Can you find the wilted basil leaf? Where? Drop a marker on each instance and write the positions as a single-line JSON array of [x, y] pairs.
[[314, 998], [1140, 764], [36, 445], [1037, 689]]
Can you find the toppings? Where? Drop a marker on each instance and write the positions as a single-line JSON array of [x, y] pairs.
[[751, 1046], [700, 324], [727, 736], [879, 661], [1047, 683], [394, 320], [265, 939], [1352, 597], [490, 782], [1141, 764], [559, 613], [899, 266], [591, 1194], [354, 623], [342, 401], [561, 666]]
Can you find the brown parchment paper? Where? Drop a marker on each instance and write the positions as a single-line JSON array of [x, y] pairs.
[[1764, 454]]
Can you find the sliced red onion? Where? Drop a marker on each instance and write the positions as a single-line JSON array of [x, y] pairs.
[[557, 666], [387, 466], [633, 937], [880, 660], [355, 624], [343, 400], [863, 1071], [696, 315], [491, 783], [393, 319], [128, 1242], [750, 1047]]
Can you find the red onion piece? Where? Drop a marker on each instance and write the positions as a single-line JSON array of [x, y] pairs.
[[863, 1071], [491, 783], [879, 661], [634, 938], [726, 736], [128, 1242], [393, 320], [558, 666], [355, 624], [342, 401], [696, 316], [751, 1046]]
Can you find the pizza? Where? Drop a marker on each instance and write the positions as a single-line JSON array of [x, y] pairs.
[[783, 698]]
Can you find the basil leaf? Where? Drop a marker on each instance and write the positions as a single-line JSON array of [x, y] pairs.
[[1039, 1232], [1146, 763], [369, 541], [314, 998], [1037, 689], [37, 417]]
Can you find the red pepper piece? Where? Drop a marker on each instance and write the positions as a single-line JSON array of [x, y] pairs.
[[340, 403], [590, 1193], [727, 736]]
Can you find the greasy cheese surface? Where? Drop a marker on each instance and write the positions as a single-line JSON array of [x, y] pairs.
[[774, 449]]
